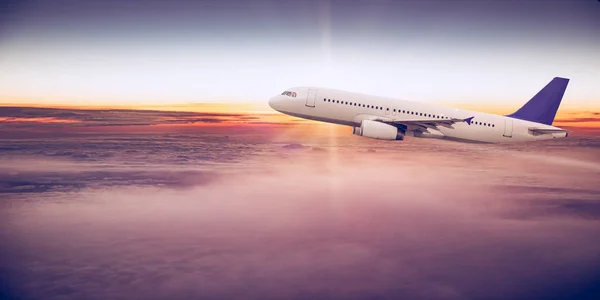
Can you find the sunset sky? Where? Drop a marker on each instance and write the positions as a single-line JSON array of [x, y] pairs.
[[139, 158], [165, 54]]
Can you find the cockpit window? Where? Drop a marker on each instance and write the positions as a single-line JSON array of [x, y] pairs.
[[288, 93]]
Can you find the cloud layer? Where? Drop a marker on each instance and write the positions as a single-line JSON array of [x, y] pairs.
[[257, 215], [29, 116]]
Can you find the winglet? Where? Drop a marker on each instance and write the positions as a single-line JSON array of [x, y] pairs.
[[468, 120]]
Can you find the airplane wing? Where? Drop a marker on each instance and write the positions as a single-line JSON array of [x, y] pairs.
[[424, 124]]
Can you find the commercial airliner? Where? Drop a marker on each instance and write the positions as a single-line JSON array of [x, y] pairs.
[[393, 119]]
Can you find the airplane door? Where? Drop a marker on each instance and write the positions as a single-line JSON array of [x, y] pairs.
[[508, 128], [310, 97]]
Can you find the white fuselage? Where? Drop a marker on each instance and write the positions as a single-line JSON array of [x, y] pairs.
[[346, 108]]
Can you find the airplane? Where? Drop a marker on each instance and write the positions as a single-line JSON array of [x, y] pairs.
[[387, 118]]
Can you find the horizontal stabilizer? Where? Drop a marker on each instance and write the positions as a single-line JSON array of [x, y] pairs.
[[541, 131], [546, 130]]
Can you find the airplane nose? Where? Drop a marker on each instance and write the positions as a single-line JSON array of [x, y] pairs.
[[274, 102]]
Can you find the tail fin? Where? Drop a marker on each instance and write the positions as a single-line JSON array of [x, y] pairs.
[[543, 106]]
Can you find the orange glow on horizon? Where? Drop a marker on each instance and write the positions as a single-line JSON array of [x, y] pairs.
[[37, 120], [259, 113]]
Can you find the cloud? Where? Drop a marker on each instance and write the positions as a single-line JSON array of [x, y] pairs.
[[23, 117], [577, 120], [48, 181], [450, 221]]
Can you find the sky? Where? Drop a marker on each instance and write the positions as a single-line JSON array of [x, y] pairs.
[[168, 53], [138, 157]]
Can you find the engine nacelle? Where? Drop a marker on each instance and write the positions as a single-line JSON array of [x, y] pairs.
[[378, 130]]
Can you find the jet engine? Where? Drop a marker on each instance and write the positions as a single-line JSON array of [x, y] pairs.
[[378, 130]]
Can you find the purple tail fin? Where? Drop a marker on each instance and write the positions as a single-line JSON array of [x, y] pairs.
[[543, 106]]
